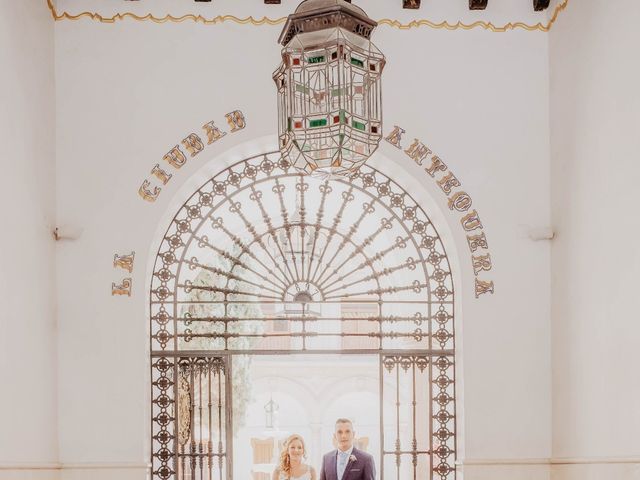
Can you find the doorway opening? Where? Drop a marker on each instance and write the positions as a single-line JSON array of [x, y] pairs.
[[263, 265], [279, 395]]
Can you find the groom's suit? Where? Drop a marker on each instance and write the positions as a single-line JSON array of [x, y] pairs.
[[362, 468]]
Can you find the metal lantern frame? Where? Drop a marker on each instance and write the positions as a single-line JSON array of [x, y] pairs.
[[329, 88]]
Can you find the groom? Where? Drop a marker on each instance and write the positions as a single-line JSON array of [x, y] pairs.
[[347, 462]]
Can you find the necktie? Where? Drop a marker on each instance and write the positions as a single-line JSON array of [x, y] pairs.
[[343, 457]]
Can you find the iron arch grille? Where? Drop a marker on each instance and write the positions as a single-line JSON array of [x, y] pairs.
[[261, 259]]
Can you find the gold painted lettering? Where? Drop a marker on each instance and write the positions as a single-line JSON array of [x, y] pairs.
[[461, 201], [161, 175], [394, 137], [437, 165], [123, 288], [213, 133], [418, 151], [148, 195], [477, 241], [448, 182], [471, 221], [193, 144], [124, 261], [236, 120], [481, 263], [483, 287], [175, 157]]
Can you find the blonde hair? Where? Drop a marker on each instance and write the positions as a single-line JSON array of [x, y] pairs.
[[285, 460]]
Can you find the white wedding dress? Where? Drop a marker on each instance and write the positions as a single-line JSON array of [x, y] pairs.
[[305, 476]]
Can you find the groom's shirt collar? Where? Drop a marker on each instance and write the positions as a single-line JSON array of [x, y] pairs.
[[348, 452]]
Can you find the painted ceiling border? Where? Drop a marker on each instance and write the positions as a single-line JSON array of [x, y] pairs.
[[277, 21]]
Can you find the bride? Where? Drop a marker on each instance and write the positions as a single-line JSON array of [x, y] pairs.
[[291, 466]]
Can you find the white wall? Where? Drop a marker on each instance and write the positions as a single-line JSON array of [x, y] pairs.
[[128, 92], [595, 115], [28, 392]]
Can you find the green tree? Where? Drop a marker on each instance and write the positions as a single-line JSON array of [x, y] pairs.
[[204, 324]]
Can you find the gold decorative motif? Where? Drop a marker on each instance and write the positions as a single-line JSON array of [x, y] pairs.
[[448, 182], [193, 144], [540, 27], [124, 261], [160, 174], [175, 157], [437, 165], [471, 222], [481, 263], [148, 195], [236, 120], [483, 287], [459, 201], [184, 409], [123, 288], [394, 137], [477, 241], [213, 133], [418, 151]]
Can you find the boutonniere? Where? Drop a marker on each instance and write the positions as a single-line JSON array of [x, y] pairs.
[[353, 458]]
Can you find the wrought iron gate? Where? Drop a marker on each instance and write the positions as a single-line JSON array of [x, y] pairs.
[[192, 420], [429, 443], [262, 260]]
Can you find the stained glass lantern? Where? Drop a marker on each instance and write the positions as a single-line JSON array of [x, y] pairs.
[[329, 88]]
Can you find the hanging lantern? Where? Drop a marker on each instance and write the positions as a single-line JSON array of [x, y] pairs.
[[329, 92]]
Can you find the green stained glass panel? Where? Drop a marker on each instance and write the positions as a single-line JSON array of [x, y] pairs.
[[356, 62], [358, 125], [321, 122]]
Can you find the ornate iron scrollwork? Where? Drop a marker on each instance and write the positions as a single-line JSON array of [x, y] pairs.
[[259, 233]]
